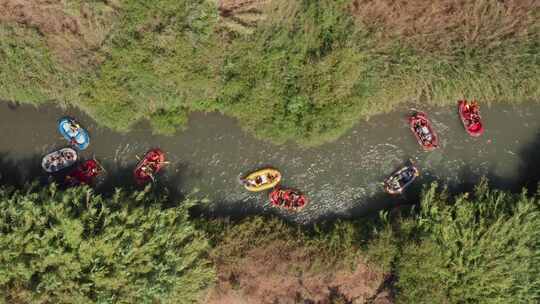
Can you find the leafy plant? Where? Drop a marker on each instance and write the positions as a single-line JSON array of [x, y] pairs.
[[79, 247], [479, 249]]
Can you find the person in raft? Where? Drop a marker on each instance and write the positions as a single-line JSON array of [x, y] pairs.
[[423, 132], [471, 112], [151, 166], [73, 132], [90, 169], [259, 180], [73, 129]]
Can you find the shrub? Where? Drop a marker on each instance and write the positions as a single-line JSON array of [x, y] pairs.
[[78, 247], [479, 249], [300, 74]]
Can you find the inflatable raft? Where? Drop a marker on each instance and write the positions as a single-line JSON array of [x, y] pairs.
[[59, 160], [83, 174], [423, 131], [149, 166], [288, 199], [400, 179], [470, 117], [261, 180], [73, 132]]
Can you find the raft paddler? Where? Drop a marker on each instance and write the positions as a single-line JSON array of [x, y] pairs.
[[261, 179], [423, 132], [90, 168], [73, 129], [146, 169], [248, 182]]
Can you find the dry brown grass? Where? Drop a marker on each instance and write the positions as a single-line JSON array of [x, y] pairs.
[[441, 24], [228, 7], [241, 16], [72, 29], [279, 272]]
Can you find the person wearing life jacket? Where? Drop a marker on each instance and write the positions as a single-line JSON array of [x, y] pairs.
[[90, 168], [423, 132], [287, 203], [474, 106], [72, 130], [248, 182], [286, 196], [471, 113], [274, 198], [154, 157]]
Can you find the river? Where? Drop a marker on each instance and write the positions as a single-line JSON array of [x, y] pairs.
[[342, 179]]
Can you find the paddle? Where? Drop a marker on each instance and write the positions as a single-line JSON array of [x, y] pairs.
[[151, 175], [163, 162], [101, 168], [241, 181]]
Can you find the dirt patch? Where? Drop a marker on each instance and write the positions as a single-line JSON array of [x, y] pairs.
[[278, 273], [443, 24], [71, 30]]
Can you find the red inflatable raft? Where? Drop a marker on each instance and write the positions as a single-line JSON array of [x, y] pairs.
[[470, 117], [423, 131], [288, 199], [84, 173], [149, 166]]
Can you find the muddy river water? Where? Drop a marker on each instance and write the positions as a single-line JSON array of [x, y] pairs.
[[341, 179]]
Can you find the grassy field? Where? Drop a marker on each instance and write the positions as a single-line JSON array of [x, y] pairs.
[[304, 71]]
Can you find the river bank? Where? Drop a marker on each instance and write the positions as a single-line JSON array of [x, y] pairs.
[[293, 70], [342, 179], [57, 246]]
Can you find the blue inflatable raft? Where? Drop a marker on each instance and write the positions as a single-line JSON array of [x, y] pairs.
[[73, 132]]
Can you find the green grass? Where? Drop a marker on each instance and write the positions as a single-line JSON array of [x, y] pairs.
[[160, 59], [307, 72], [29, 73], [508, 73]]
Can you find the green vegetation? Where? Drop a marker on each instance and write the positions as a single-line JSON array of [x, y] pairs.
[[64, 246], [161, 59], [303, 73], [484, 249], [29, 73], [298, 70], [78, 247], [481, 247]]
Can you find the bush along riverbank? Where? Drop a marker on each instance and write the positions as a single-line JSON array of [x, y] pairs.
[[77, 246], [288, 70]]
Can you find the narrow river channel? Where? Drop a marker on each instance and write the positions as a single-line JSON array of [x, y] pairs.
[[341, 179]]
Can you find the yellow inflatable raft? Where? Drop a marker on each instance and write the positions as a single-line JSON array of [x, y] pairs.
[[261, 180]]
